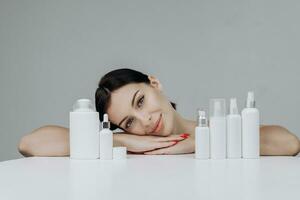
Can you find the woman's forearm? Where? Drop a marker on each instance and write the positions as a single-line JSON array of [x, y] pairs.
[[117, 139]]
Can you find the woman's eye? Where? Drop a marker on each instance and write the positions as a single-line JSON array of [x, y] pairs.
[[141, 101], [128, 123]]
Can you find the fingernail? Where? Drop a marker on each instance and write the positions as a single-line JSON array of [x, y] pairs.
[[185, 135]]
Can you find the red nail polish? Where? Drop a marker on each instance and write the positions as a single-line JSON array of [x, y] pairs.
[[185, 135]]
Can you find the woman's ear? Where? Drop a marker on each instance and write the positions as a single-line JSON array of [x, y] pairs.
[[154, 82]]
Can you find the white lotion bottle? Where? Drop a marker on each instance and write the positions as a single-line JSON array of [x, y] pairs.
[[234, 131], [250, 129], [202, 137], [106, 140], [84, 129], [217, 126]]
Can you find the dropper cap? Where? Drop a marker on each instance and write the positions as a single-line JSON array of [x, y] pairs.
[[233, 109], [250, 100], [202, 120], [105, 123]]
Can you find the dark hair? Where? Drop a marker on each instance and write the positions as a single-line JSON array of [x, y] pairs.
[[113, 80]]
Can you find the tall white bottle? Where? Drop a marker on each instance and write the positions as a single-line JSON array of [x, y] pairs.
[[234, 131], [217, 126], [202, 137], [106, 140], [84, 129], [250, 129]]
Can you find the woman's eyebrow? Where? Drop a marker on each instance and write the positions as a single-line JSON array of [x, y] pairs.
[[132, 103]]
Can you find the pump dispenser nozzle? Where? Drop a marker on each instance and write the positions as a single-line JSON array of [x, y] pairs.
[[250, 100], [233, 107], [105, 123], [202, 120]]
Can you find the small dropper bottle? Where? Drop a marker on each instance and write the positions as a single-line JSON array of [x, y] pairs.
[[106, 140], [202, 137]]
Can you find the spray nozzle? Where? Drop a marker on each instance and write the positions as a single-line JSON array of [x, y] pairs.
[[233, 109], [250, 100]]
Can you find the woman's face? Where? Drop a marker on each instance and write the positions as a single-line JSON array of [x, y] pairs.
[[142, 109]]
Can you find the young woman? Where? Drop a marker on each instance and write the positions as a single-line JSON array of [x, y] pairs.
[[150, 124]]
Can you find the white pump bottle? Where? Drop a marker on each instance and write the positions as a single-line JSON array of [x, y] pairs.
[[202, 137]]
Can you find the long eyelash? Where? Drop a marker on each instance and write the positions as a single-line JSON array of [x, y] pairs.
[[127, 123], [131, 120], [142, 98]]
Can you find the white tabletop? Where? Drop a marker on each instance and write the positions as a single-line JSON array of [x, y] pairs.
[[150, 177]]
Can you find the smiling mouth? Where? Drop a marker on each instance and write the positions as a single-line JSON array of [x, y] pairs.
[[158, 125]]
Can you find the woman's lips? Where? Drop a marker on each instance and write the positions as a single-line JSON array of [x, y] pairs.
[[159, 125]]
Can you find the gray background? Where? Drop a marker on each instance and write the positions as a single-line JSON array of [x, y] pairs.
[[53, 52]]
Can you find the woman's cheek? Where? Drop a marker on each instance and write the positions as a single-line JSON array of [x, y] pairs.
[[168, 124]]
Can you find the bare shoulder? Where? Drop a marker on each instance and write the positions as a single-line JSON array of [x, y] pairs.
[[278, 140], [48, 140], [51, 128]]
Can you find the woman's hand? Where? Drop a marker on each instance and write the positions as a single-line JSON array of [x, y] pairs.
[[182, 147], [141, 144]]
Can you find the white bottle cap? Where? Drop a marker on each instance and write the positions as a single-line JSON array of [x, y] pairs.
[[119, 153], [217, 107], [83, 105], [233, 108]]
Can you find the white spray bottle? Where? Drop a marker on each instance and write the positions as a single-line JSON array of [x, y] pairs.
[[234, 131], [202, 137], [106, 140], [250, 129]]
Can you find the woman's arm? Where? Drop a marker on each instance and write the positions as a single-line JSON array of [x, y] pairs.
[[54, 141], [49, 140], [274, 141]]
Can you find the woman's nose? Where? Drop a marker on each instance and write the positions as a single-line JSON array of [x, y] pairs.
[[146, 119]]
